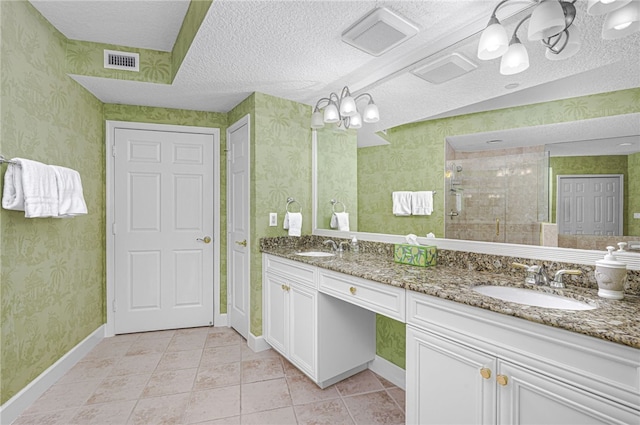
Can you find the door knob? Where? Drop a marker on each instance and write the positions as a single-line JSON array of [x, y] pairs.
[[243, 243], [206, 239]]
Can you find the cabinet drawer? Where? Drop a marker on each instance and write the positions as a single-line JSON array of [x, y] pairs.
[[378, 297], [302, 273]]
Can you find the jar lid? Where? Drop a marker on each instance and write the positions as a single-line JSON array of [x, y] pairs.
[[610, 260]]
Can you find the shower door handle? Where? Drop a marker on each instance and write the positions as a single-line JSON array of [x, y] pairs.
[[497, 227]]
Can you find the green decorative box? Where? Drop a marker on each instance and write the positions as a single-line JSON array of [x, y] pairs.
[[416, 255]]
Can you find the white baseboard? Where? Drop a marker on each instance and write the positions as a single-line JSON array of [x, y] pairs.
[[17, 404], [389, 371], [257, 343], [220, 320]]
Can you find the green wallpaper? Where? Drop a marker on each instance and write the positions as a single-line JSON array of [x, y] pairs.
[[337, 174], [52, 270], [613, 164], [391, 340], [633, 194], [193, 19]]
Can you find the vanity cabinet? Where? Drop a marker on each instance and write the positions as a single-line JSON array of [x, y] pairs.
[[326, 338], [467, 365]]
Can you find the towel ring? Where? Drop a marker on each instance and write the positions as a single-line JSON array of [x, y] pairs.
[[334, 203], [292, 201]]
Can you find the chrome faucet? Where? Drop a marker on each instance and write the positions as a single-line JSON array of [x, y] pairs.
[[340, 248], [538, 275], [334, 247], [557, 279]]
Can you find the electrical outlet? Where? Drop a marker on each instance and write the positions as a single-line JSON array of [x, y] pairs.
[[636, 215], [273, 219]]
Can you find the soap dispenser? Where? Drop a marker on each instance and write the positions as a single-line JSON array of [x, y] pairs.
[[611, 276], [354, 244]]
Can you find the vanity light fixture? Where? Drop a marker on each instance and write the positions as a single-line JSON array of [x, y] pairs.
[[551, 23], [343, 110]]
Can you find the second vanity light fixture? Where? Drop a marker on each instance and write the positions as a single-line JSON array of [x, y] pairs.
[[343, 110], [551, 23]]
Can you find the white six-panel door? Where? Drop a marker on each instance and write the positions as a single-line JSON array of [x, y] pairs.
[[163, 227]]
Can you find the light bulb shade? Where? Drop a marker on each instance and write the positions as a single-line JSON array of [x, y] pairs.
[[355, 121], [515, 60], [371, 113], [348, 107], [331, 114], [622, 22], [316, 120], [493, 41], [600, 7], [546, 20], [571, 48]]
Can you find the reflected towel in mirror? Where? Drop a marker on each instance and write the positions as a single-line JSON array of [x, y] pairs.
[[340, 221], [402, 203], [422, 203]]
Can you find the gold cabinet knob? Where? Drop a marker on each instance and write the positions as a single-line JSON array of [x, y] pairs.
[[502, 380], [485, 372], [285, 287], [352, 290], [243, 243]]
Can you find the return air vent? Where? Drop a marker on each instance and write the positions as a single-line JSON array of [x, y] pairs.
[[122, 60], [379, 31], [445, 69]]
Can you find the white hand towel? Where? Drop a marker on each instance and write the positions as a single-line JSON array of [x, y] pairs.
[[70, 197], [340, 221], [12, 194], [422, 203], [402, 203], [39, 188], [293, 222]]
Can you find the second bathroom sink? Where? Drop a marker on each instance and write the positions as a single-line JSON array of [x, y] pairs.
[[315, 254], [533, 298]]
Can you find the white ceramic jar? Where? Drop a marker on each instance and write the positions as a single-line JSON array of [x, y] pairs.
[[611, 276]]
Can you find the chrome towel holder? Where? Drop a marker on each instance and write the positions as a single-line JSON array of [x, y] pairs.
[[293, 201], [3, 160], [334, 203]]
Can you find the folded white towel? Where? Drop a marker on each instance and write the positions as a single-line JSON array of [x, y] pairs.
[[422, 203], [293, 222], [402, 203], [12, 194], [70, 196], [39, 189], [340, 221]]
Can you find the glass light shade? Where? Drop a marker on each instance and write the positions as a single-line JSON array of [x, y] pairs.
[[348, 107], [546, 20], [622, 22], [355, 121], [371, 113], [515, 60], [493, 42], [316, 120], [572, 47], [600, 7], [331, 114]]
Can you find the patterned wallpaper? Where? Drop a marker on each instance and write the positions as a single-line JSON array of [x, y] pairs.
[[195, 15], [337, 175], [633, 192], [52, 270]]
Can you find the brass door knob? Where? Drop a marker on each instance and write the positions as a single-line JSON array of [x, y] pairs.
[[502, 380], [485, 372], [243, 243], [352, 290], [206, 239]]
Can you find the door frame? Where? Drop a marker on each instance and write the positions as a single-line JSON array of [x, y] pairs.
[[110, 131]]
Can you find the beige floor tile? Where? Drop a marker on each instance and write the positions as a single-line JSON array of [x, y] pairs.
[[156, 334], [125, 337], [167, 382], [108, 349], [135, 365], [203, 330], [282, 416], [187, 342], [63, 396], [249, 354], [160, 410], [119, 388], [216, 355], [359, 383], [291, 370], [97, 369], [59, 417], [219, 339], [173, 360], [213, 404], [398, 395], [149, 346], [384, 382], [262, 370], [303, 390], [265, 395], [327, 412], [104, 414], [374, 408], [222, 375], [234, 420]]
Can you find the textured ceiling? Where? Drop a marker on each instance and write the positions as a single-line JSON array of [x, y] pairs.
[[293, 50]]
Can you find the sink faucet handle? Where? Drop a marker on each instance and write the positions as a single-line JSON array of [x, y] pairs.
[[340, 248], [520, 265], [557, 279]]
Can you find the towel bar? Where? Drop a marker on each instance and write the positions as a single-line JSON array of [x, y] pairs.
[[7, 161]]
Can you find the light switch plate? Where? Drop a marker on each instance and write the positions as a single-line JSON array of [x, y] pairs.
[[273, 219], [636, 215]]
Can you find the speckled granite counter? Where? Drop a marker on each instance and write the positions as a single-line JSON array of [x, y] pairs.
[[615, 321]]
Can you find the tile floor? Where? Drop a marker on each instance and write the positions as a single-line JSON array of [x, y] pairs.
[[205, 376]]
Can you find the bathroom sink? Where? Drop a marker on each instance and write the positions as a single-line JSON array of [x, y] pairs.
[[315, 254], [533, 298]]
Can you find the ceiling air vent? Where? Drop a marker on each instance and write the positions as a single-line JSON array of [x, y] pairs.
[[379, 31], [122, 60], [445, 69]]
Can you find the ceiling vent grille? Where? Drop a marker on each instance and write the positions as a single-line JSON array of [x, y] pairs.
[[445, 69], [122, 60], [379, 31]]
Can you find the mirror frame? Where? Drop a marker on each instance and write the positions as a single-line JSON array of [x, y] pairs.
[[544, 253]]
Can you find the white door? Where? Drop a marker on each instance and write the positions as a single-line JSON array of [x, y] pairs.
[[590, 205], [163, 255], [238, 226]]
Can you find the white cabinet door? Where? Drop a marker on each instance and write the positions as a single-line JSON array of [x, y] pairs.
[[448, 383], [276, 316], [302, 328], [527, 397]]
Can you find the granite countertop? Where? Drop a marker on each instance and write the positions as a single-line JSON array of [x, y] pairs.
[[612, 320]]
